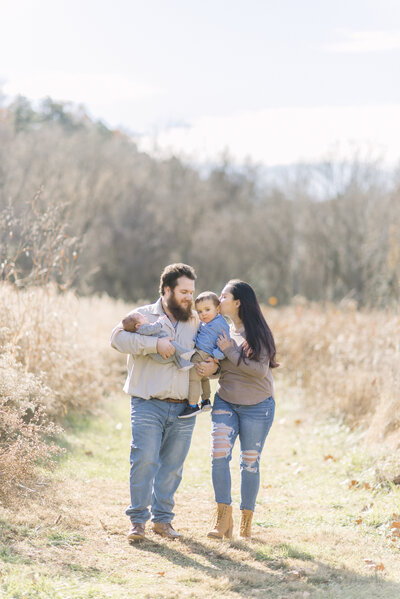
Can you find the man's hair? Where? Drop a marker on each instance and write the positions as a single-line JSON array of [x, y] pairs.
[[172, 272], [207, 295]]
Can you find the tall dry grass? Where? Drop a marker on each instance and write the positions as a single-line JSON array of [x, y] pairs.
[[345, 360], [54, 358]]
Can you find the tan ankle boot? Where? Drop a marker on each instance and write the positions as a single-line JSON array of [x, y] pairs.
[[245, 524], [223, 524]]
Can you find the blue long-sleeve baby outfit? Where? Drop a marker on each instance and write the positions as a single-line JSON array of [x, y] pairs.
[[154, 329], [208, 333]]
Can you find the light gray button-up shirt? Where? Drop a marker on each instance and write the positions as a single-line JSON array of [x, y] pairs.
[[146, 377]]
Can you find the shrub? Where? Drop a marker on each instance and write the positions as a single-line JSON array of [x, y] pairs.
[[24, 426], [54, 358]]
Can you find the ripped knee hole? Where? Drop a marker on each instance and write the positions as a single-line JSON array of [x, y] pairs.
[[250, 456], [221, 446]]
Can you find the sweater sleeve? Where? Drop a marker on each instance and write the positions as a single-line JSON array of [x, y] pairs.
[[247, 366]]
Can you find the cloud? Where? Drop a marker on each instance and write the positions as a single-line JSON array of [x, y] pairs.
[[285, 135], [87, 88], [357, 42]]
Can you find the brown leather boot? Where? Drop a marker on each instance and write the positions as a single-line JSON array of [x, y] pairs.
[[165, 530], [223, 522], [136, 533], [245, 524]]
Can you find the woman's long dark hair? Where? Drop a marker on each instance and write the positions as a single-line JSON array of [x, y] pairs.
[[258, 334]]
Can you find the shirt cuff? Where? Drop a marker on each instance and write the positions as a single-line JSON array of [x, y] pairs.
[[152, 347]]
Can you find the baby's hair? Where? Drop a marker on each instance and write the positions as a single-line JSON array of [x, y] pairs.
[[207, 295], [131, 322]]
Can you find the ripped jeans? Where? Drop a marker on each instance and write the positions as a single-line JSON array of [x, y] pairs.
[[252, 424]]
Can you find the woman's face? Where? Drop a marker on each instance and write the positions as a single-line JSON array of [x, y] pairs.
[[229, 306]]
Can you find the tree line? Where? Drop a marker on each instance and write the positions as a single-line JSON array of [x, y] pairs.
[[82, 206]]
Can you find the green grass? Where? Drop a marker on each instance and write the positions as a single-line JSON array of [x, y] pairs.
[[70, 542], [9, 556], [64, 539]]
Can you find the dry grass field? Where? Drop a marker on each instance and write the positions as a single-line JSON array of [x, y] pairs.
[[54, 358], [323, 522], [328, 515], [347, 361]]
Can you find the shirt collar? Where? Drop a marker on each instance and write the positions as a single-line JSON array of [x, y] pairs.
[[157, 308]]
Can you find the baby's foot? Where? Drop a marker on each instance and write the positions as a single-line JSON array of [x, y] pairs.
[[187, 366], [188, 354]]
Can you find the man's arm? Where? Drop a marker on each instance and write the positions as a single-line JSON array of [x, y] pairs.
[[136, 344], [133, 343], [164, 346]]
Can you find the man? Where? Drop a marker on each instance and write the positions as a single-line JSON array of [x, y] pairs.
[[160, 440]]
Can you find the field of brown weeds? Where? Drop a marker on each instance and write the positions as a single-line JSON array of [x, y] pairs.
[[345, 360], [55, 358]]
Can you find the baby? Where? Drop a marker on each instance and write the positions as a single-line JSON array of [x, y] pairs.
[[135, 322], [211, 326]]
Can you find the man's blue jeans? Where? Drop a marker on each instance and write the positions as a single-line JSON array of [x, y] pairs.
[[160, 443], [252, 424]]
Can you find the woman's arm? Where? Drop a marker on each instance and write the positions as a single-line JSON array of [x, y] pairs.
[[246, 365]]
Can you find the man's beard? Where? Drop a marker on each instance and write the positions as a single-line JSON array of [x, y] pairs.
[[177, 311]]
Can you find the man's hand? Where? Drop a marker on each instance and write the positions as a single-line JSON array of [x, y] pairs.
[[165, 348], [206, 368]]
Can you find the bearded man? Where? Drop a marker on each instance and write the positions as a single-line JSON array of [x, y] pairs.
[[160, 440]]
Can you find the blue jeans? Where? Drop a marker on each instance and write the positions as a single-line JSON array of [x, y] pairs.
[[252, 424], [160, 443]]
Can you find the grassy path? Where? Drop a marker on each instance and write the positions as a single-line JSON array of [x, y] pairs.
[[314, 526]]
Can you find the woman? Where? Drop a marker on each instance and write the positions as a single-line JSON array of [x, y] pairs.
[[243, 405]]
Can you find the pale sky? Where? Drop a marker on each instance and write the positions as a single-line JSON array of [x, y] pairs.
[[276, 81]]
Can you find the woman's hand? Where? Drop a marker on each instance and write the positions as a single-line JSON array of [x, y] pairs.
[[206, 368], [246, 349], [224, 342]]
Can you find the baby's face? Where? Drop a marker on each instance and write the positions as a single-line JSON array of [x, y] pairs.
[[207, 310]]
